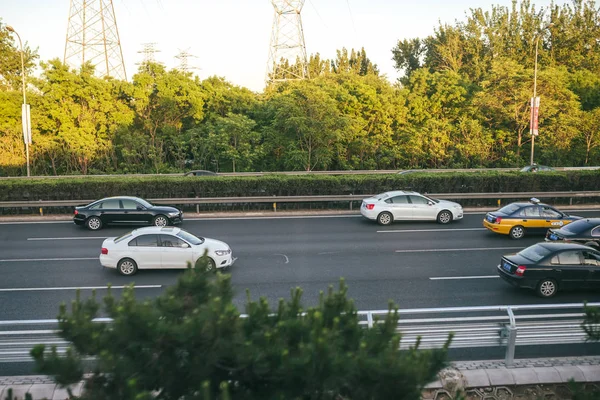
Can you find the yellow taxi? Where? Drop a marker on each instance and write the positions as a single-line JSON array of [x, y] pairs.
[[518, 219]]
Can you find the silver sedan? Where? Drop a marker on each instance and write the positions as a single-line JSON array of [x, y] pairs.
[[402, 205]]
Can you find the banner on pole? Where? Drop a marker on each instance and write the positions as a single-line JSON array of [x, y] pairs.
[[26, 120], [534, 117]]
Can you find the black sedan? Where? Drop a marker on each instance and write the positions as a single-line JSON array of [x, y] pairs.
[[548, 267], [125, 210], [585, 231]]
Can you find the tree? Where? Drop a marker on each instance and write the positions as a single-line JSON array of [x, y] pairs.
[[192, 343], [10, 60]]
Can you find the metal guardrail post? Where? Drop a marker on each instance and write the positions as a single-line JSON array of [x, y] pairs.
[[370, 319], [197, 207], [511, 339]]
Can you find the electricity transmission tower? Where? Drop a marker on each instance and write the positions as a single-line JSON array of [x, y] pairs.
[[92, 36], [148, 52], [287, 52], [183, 57]]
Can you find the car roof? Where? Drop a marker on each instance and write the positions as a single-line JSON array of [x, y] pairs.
[[156, 230], [120, 198], [400, 192], [522, 204], [552, 246]]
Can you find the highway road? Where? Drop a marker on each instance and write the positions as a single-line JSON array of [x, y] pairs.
[[414, 264]]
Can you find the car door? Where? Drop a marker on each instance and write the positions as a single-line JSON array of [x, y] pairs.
[[422, 210], [133, 211], [592, 260], [176, 253], [570, 270], [400, 207], [146, 251], [531, 219], [552, 217], [110, 211]]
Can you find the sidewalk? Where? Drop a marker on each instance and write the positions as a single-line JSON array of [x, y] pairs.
[[534, 379]]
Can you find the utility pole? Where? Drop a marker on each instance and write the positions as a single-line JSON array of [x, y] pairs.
[[148, 52], [183, 56], [287, 51], [93, 36]]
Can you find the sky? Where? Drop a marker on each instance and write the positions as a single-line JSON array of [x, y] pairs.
[[230, 38]]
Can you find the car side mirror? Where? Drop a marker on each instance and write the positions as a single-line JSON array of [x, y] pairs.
[[186, 246], [430, 203], [139, 208]]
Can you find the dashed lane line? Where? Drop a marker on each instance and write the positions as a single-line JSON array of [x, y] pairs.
[[448, 278], [467, 249], [75, 288], [48, 259], [431, 230]]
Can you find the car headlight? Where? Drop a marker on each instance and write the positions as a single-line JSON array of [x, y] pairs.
[[222, 252], [174, 214]]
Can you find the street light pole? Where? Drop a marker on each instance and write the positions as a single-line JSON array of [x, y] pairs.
[[534, 101], [11, 29]]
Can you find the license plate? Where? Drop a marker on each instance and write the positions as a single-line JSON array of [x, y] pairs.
[[553, 237], [506, 266], [490, 218]]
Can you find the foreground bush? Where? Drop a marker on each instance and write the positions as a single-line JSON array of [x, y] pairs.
[[192, 343]]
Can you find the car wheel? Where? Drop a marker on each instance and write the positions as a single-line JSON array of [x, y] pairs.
[[517, 232], [127, 267], [93, 223], [385, 218], [547, 288], [160, 220], [444, 217], [210, 265]]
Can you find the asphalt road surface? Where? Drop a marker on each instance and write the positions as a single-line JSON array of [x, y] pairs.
[[416, 265]]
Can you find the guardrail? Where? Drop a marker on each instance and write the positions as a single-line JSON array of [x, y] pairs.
[[344, 172], [488, 326], [306, 199]]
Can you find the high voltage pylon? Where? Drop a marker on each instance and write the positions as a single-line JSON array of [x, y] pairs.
[[287, 52], [148, 53], [92, 36], [183, 57]]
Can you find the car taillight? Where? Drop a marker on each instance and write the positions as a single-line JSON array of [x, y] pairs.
[[370, 206], [520, 270], [104, 250], [76, 212], [498, 220]]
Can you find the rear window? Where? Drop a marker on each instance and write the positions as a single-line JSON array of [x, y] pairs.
[[534, 253], [123, 237], [509, 209], [382, 196], [576, 227]]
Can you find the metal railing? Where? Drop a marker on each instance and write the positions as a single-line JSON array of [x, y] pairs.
[[306, 199], [488, 326], [343, 172]]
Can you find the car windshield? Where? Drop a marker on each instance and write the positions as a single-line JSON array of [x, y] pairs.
[[145, 203], [123, 237], [188, 237], [432, 199], [534, 253], [509, 209]]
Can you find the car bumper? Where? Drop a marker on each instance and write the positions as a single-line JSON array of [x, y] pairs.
[[224, 261], [497, 228], [369, 214], [108, 261], [516, 281], [457, 214], [176, 220], [78, 221]]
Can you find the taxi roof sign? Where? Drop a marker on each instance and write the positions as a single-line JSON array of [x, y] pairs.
[[534, 200]]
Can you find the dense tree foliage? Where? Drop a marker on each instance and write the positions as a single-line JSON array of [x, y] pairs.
[[192, 343], [463, 102]]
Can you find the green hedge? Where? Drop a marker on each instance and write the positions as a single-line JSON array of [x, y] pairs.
[[87, 188]]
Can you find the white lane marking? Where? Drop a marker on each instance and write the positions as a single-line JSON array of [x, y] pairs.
[[35, 222], [275, 217], [49, 259], [69, 238], [76, 287], [432, 230], [468, 249], [445, 278], [287, 260]]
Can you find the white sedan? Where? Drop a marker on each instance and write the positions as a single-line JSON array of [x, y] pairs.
[[401, 205], [162, 247]]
